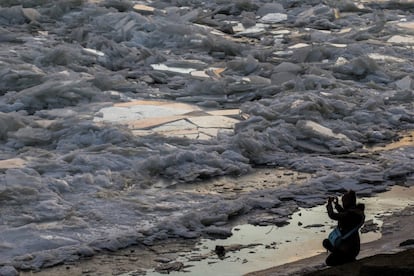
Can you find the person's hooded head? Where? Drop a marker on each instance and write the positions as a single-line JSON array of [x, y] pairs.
[[349, 199]]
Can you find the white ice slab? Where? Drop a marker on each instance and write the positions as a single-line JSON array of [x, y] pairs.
[[256, 29], [152, 122], [283, 53], [176, 126], [377, 56], [164, 104], [315, 127], [344, 31], [337, 45], [406, 25], [143, 8], [299, 45], [163, 67], [404, 39], [280, 32], [341, 61], [213, 121], [238, 28], [225, 112], [94, 52], [12, 163]]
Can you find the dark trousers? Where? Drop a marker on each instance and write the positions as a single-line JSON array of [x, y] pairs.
[[336, 257]]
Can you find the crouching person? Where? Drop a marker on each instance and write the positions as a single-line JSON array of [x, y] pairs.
[[344, 243]]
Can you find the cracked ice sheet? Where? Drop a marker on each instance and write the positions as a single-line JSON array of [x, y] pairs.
[[170, 119], [137, 110]]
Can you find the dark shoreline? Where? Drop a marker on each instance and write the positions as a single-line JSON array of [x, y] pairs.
[[401, 263]]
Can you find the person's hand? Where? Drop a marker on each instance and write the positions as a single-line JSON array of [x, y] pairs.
[[335, 200]]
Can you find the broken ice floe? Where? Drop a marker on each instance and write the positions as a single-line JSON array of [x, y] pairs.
[[143, 9], [401, 39], [95, 52], [11, 163], [321, 130]]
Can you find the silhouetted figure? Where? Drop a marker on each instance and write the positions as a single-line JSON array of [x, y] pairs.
[[350, 217]]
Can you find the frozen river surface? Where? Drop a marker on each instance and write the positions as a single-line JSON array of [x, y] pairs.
[[117, 117]]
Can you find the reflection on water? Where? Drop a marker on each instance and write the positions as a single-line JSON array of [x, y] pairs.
[[253, 248]]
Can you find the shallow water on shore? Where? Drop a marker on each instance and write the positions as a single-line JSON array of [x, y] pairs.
[[253, 248]]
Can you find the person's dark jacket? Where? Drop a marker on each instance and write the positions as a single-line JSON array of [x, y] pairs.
[[348, 219]]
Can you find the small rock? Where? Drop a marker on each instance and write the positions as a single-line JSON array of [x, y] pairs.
[[407, 242]]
